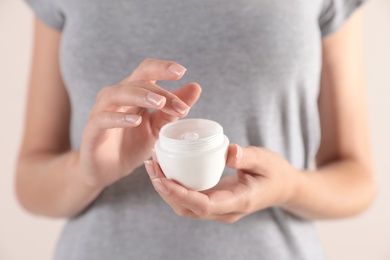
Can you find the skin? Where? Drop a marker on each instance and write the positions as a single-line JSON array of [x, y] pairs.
[[53, 180]]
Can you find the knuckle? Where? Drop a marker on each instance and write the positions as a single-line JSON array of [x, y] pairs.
[[147, 61], [104, 119], [247, 205], [104, 93], [145, 64], [204, 210], [180, 194], [224, 220], [98, 118], [132, 88], [183, 212], [230, 219]]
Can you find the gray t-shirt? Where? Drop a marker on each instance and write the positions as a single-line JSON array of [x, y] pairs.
[[259, 65]]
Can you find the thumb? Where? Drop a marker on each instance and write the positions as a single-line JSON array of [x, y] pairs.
[[250, 159], [189, 94]]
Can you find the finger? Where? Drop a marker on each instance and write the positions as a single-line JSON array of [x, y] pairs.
[[174, 193], [188, 94], [153, 169], [210, 205], [178, 103], [234, 155], [192, 200], [250, 159], [154, 176], [214, 205], [104, 120], [230, 218], [155, 70], [230, 200], [141, 94], [137, 94], [154, 156]]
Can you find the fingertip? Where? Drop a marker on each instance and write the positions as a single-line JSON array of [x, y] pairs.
[[150, 169], [199, 87], [156, 100], [148, 162], [158, 170], [134, 120], [180, 107], [239, 152], [177, 70], [196, 87], [154, 156], [234, 155], [196, 90], [156, 70], [161, 187]]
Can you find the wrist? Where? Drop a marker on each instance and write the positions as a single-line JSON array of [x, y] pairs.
[[297, 185], [79, 178]]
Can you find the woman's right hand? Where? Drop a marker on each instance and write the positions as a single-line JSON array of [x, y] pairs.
[[121, 131]]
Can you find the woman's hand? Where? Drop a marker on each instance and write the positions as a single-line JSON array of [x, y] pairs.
[[121, 130], [263, 179]]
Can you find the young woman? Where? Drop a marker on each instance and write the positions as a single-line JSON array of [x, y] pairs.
[[284, 79]]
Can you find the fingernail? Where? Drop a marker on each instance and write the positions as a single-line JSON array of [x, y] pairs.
[[155, 99], [150, 169], [154, 154], [177, 69], [133, 119], [239, 152], [160, 186], [180, 107]]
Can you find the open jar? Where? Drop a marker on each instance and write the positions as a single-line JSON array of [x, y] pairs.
[[192, 152]]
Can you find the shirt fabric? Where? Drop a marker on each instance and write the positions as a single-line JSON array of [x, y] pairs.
[[259, 65]]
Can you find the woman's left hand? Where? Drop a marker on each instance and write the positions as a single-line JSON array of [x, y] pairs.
[[263, 179]]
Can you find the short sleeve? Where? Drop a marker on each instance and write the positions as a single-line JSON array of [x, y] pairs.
[[334, 14], [49, 12]]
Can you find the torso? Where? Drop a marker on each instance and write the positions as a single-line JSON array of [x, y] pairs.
[[258, 63]]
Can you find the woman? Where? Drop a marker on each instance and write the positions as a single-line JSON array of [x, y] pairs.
[[283, 79]]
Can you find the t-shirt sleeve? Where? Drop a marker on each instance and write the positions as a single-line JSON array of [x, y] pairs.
[[49, 12], [335, 13]]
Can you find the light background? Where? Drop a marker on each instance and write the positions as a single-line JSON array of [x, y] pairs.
[[22, 236]]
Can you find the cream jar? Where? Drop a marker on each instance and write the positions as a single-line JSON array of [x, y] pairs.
[[192, 152]]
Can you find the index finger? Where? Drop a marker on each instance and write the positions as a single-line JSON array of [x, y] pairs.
[[155, 70], [213, 203]]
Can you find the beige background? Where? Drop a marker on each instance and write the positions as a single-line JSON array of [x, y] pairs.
[[23, 236]]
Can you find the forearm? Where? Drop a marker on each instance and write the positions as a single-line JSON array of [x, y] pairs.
[[50, 185], [339, 189]]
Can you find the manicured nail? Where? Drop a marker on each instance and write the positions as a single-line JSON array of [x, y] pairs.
[[150, 169], [180, 107], [160, 186], [177, 69], [133, 119], [155, 99], [239, 152]]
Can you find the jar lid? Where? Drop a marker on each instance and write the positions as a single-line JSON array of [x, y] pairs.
[[189, 135]]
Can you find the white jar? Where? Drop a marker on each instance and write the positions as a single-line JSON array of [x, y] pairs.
[[192, 152]]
